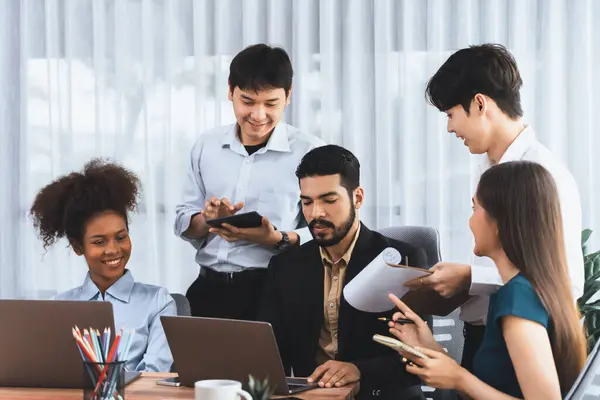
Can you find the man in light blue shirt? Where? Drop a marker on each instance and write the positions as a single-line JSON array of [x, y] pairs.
[[248, 166], [136, 306]]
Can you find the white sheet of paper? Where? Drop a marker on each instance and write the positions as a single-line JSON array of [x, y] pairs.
[[368, 291]]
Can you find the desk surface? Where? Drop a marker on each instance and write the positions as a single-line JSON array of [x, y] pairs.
[[146, 388]]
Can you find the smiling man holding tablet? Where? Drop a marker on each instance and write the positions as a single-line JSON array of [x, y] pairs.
[[245, 167]]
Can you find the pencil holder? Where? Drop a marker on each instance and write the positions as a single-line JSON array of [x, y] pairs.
[[104, 381]]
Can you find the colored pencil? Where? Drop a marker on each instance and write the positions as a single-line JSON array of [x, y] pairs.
[[88, 339], [86, 350], [111, 357], [128, 345], [123, 354], [83, 356], [107, 348], [86, 354], [96, 348], [100, 344], [106, 342]]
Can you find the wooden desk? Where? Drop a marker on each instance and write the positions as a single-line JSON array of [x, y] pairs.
[[145, 388]]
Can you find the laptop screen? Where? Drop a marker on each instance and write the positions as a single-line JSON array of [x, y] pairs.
[[587, 386]]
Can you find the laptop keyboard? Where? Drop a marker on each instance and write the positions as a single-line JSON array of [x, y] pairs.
[[296, 385]]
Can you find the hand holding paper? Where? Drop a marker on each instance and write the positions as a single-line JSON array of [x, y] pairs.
[[368, 291], [447, 279]]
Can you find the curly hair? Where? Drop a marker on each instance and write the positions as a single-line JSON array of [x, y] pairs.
[[62, 208]]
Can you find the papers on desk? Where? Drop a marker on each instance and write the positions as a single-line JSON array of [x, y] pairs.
[[368, 291]]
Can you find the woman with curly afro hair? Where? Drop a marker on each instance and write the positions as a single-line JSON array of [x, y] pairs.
[[90, 209]]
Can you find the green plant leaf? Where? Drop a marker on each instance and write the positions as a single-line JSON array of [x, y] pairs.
[[594, 304], [591, 329], [588, 270], [589, 281], [588, 294], [585, 236], [586, 309], [259, 390], [593, 317], [591, 342], [594, 334], [590, 312], [590, 257], [588, 264]]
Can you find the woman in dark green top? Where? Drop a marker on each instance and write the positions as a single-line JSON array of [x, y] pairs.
[[492, 363], [534, 346]]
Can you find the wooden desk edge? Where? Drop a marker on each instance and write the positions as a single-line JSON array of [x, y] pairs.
[[145, 388]]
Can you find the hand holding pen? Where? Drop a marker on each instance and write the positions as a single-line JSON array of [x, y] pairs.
[[416, 333]]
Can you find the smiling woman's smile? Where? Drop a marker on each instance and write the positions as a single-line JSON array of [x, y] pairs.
[[106, 247]]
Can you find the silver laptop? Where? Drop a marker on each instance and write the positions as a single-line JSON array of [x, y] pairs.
[[37, 348], [587, 385], [211, 348]]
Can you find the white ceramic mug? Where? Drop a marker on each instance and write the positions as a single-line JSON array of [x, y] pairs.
[[220, 389]]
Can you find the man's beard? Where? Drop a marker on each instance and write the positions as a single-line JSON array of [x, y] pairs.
[[339, 233]]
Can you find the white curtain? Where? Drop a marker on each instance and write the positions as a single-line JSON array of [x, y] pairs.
[[139, 80]]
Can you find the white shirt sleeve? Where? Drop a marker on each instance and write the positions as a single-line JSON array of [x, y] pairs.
[[194, 195], [484, 280], [304, 235]]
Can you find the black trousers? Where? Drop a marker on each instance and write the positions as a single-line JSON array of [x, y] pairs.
[[473, 338], [227, 295]]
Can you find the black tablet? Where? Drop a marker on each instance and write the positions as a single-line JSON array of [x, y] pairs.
[[244, 220]]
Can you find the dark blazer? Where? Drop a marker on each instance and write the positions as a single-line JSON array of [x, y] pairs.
[[293, 304]]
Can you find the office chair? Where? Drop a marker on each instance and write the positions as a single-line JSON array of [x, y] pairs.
[[448, 330], [183, 305], [419, 236], [183, 309]]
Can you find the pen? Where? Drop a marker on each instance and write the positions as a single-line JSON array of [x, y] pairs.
[[398, 321]]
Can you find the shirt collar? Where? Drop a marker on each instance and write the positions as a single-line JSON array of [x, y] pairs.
[[279, 140], [519, 146], [346, 257], [120, 290]]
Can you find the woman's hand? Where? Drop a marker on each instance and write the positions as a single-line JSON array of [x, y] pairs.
[[438, 371], [415, 335]]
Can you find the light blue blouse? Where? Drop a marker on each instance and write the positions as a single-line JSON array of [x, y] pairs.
[[135, 306]]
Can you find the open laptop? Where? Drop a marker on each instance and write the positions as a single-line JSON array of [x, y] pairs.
[[587, 385], [37, 348], [211, 348]]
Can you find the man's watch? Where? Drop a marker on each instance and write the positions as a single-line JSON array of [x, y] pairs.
[[284, 243]]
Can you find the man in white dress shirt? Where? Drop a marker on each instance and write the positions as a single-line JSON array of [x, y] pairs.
[[479, 90], [247, 166]]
